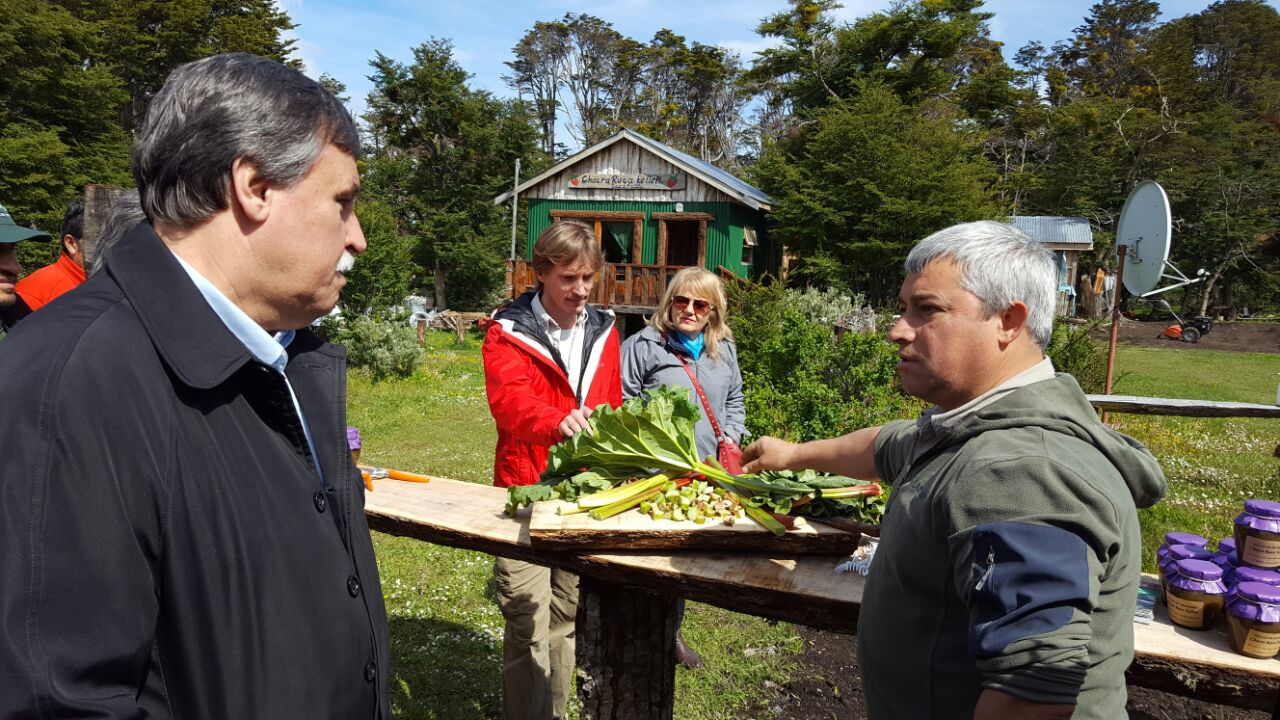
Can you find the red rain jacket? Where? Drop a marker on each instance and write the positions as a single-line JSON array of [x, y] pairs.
[[529, 391]]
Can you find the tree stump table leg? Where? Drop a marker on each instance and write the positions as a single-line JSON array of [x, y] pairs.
[[625, 652]]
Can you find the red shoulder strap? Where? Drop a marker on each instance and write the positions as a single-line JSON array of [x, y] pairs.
[[715, 426]]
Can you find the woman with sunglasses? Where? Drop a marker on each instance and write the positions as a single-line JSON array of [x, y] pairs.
[[687, 339]]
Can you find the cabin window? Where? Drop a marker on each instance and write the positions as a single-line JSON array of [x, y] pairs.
[[616, 242], [749, 243]]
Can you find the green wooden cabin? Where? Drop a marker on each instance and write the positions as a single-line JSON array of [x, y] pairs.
[[655, 210]]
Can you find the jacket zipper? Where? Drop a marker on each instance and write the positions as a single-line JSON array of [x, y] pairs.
[[991, 568]]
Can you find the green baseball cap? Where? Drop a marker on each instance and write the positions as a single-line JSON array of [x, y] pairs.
[[12, 232]]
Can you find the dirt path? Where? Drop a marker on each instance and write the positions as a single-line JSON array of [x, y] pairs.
[[1228, 337], [827, 686]]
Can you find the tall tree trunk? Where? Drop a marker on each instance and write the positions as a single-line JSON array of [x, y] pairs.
[[1208, 293], [441, 296], [626, 652]]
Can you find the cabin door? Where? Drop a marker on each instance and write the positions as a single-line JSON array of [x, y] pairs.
[[682, 242], [682, 238]]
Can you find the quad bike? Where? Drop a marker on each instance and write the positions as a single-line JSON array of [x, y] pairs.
[[1188, 330]]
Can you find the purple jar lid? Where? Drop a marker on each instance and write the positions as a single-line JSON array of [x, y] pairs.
[[1227, 545], [1198, 575], [1179, 538], [1182, 552], [1226, 561], [1256, 575], [1256, 601], [353, 438], [1260, 515], [1185, 538]]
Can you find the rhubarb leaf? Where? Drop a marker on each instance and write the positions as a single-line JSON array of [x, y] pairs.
[[656, 433]]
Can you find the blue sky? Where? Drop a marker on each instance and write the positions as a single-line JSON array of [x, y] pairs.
[[339, 37]]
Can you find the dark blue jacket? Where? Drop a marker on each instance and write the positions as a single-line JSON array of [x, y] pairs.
[[169, 550]]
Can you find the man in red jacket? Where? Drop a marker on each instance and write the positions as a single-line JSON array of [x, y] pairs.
[[549, 359], [50, 281]]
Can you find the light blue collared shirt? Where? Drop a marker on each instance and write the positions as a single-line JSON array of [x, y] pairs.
[[267, 349]]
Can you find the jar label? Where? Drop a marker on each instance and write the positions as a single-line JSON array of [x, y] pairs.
[[1260, 553], [1260, 643], [1187, 613]]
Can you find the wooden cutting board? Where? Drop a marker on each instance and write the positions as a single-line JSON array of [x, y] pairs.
[[632, 530]]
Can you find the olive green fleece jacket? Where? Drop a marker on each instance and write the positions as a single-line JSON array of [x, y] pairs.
[[1009, 559]]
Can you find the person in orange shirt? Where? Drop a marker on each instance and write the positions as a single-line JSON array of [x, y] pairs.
[[50, 281]]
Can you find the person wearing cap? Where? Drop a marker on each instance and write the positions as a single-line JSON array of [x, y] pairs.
[[50, 281], [183, 529], [12, 307]]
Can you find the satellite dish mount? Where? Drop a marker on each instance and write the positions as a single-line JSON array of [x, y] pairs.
[[1143, 238]]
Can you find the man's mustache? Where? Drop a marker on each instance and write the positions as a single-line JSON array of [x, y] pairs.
[[346, 262]]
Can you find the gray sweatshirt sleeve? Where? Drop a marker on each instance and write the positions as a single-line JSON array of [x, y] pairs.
[[735, 411]]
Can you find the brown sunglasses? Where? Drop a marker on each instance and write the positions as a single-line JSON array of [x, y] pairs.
[[681, 302]]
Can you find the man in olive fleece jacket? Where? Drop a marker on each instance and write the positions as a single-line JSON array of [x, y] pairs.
[[1006, 577]]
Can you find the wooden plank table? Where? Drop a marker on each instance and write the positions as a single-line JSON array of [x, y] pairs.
[[798, 588]]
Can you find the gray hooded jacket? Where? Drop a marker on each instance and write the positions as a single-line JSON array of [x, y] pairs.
[[1009, 559], [649, 362]]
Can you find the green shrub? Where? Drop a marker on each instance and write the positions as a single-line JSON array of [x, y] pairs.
[[802, 383], [832, 307], [385, 348], [1074, 352]]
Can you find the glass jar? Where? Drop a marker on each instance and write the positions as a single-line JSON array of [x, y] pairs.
[[1253, 620], [1195, 594], [353, 443], [1258, 534], [1179, 538], [1246, 574], [1176, 553], [1225, 558]]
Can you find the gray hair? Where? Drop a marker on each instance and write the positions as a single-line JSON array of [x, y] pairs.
[[214, 111], [125, 213], [999, 264]]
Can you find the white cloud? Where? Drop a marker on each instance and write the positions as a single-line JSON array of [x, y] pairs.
[[747, 49]]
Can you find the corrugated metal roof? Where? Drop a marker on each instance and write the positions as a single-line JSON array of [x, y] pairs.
[[702, 167], [1055, 230], [744, 192]]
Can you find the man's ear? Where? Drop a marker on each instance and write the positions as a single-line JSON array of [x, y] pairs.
[[1013, 322], [71, 245], [250, 191]]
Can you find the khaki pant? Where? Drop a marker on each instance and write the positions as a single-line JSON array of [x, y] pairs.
[[540, 605]]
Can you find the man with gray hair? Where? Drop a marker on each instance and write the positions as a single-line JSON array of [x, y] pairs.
[[1007, 572], [183, 526]]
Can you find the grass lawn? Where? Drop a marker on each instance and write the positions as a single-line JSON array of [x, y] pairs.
[[1213, 464], [446, 632]]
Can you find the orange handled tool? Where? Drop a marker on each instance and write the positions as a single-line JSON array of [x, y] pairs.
[[376, 473]]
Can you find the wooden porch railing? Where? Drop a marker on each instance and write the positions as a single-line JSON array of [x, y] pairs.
[[629, 285]]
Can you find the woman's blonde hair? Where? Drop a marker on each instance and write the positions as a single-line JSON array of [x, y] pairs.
[[696, 282], [563, 243]]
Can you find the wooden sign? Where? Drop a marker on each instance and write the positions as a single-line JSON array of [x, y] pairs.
[[629, 181]]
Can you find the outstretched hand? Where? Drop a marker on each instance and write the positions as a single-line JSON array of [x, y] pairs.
[[576, 421], [767, 453]]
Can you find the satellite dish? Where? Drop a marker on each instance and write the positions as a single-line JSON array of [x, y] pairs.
[[1146, 231]]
